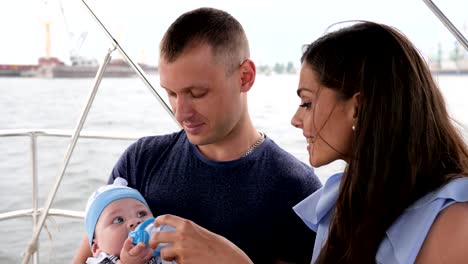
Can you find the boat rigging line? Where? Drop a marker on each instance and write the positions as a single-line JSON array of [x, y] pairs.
[[449, 25], [134, 65]]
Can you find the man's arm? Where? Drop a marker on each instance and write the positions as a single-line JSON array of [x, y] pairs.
[[83, 252]]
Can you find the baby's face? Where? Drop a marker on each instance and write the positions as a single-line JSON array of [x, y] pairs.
[[116, 221]]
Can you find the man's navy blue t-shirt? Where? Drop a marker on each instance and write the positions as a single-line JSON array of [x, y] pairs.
[[249, 200]]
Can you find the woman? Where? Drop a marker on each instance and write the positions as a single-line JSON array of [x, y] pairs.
[[367, 97]]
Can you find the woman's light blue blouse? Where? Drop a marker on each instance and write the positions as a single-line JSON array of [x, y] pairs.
[[404, 238]]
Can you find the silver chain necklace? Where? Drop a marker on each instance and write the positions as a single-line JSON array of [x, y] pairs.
[[255, 145]]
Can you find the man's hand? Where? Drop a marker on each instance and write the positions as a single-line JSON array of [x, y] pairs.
[[193, 244]]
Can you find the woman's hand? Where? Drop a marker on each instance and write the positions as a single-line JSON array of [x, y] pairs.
[[192, 244]]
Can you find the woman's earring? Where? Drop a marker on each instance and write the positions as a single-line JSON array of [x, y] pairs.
[[353, 127]]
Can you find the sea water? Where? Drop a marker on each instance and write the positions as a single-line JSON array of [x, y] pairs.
[[123, 105]]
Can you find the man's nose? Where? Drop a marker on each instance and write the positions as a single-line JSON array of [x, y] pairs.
[[182, 109]]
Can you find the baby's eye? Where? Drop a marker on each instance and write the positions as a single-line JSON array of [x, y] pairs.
[[142, 214], [118, 220], [306, 105]]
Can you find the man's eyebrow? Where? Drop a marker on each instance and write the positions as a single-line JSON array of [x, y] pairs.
[[186, 89]]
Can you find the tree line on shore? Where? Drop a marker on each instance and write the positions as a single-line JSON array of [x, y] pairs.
[[277, 68]]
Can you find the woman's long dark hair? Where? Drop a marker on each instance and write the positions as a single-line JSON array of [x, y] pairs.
[[404, 144]]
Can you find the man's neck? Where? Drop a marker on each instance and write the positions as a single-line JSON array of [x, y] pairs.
[[233, 146]]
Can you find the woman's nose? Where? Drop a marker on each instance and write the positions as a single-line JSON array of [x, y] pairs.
[[295, 122], [297, 119]]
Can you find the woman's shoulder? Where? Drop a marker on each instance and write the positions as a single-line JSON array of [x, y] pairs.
[[455, 190], [405, 237], [447, 239]]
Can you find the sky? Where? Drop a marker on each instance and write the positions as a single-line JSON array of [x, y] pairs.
[[276, 29]]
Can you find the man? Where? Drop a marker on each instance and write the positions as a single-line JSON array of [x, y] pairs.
[[219, 171]]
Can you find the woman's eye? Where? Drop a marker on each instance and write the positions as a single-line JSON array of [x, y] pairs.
[[142, 214], [118, 220], [306, 105]]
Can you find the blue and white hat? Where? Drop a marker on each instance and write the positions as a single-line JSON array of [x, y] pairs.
[[102, 197]]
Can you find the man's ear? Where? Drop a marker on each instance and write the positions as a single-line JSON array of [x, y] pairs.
[[247, 75]]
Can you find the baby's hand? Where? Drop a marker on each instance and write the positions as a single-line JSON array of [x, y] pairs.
[[135, 254]]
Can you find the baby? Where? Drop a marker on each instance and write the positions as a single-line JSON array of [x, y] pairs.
[[111, 213]]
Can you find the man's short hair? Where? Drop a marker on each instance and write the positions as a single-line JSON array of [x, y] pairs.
[[217, 28]]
